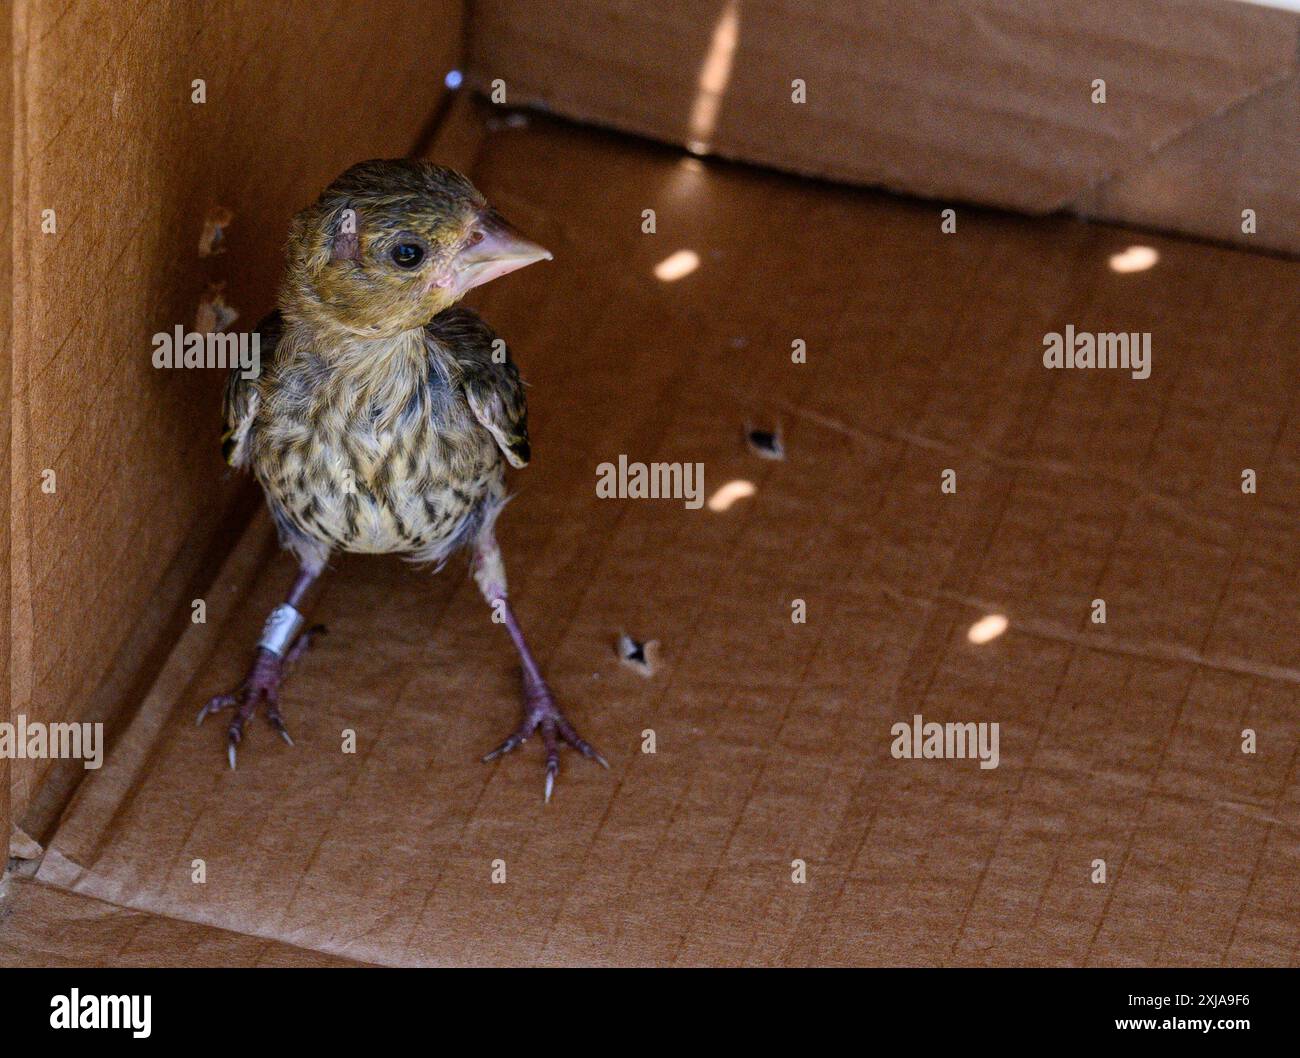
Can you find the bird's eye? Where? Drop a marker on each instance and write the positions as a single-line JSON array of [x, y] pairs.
[[475, 237], [408, 254]]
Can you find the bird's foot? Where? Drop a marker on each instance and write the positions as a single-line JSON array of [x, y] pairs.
[[261, 685], [542, 714]]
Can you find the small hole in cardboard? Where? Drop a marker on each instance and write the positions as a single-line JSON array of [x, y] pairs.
[[766, 444], [213, 314], [641, 657], [212, 240]]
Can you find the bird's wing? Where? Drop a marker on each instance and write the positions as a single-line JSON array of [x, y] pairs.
[[497, 400], [239, 405], [489, 379]]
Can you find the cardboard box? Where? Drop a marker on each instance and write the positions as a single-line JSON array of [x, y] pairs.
[[993, 102], [774, 823], [117, 157]]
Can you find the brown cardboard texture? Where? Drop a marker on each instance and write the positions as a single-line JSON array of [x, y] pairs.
[[985, 101], [118, 513], [1120, 742]]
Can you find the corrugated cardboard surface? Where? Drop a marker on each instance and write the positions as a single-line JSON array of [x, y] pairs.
[[1247, 157], [110, 139], [1118, 742], [986, 101], [50, 927], [6, 375]]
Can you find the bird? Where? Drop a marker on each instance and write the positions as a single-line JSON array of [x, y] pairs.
[[385, 413]]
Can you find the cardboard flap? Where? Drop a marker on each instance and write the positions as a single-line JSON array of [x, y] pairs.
[[987, 101], [50, 927]]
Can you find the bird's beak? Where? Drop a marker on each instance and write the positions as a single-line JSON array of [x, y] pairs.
[[501, 250]]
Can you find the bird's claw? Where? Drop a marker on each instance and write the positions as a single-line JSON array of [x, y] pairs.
[[245, 700], [542, 714], [513, 742], [261, 685], [215, 705]]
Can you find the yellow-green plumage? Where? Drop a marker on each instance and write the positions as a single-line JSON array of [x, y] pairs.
[[368, 435]]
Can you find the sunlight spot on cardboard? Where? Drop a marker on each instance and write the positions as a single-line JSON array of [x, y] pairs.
[[986, 629], [1134, 259], [730, 493], [715, 75], [684, 182], [675, 266]]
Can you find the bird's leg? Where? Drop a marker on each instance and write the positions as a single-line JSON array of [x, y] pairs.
[[282, 643], [540, 711]]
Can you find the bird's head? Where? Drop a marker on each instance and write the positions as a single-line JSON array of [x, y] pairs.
[[390, 244]]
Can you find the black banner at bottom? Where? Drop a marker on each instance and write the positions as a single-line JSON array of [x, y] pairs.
[[340, 1007]]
